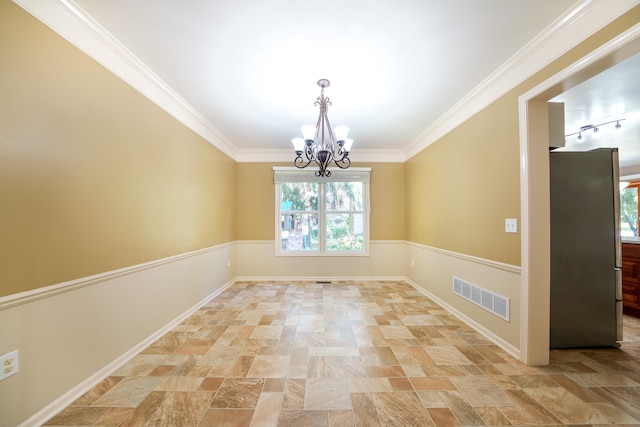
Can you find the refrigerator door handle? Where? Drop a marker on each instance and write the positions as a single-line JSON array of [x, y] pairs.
[[618, 283], [616, 209], [619, 321]]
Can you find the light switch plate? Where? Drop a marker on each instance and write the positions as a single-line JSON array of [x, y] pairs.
[[511, 225]]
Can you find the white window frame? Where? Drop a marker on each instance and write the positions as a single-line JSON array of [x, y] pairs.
[[292, 174]]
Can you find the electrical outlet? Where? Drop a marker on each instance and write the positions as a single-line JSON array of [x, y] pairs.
[[511, 225], [8, 364]]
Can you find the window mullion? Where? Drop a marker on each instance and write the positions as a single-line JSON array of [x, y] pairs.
[[279, 218], [322, 220]]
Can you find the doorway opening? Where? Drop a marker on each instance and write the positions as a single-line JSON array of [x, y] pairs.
[[534, 189]]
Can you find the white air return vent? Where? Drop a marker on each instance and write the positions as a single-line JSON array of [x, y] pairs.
[[490, 301]]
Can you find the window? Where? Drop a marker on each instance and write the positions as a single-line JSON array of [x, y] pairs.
[[629, 210], [322, 216]]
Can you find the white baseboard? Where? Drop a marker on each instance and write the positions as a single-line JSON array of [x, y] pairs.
[[318, 278]]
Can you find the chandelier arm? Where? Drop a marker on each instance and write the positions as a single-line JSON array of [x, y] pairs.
[[319, 140], [326, 126], [342, 153], [343, 161], [299, 162], [332, 138], [310, 154], [323, 172]]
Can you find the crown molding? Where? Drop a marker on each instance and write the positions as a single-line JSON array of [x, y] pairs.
[[580, 22], [72, 23], [75, 25], [287, 156]]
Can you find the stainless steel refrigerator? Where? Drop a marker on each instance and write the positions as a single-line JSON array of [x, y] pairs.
[[586, 288]]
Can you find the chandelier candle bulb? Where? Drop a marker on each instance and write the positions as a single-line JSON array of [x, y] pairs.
[[341, 133], [298, 144], [308, 132]]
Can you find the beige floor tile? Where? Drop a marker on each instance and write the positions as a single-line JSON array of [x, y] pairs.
[[180, 384], [481, 391], [365, 412], [227, 418], [463, 411], [341, 418], [269, 367], [294, 391], [181, 408], [114, 417], [77, 416], [492, 416], [396, 333], [345, 367], [267, 409], [327, 393], [363, 385], [567, 407], [141, 414], [432, 383], [303, 418], [609, 379], [352, 353], [443, 417], [447, 355], [238, 393], [129, 392], [401, 409]]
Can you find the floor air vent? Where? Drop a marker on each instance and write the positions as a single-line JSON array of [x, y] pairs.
[[490, 301]]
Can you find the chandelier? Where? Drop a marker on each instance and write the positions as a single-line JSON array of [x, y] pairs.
[[322, 144]]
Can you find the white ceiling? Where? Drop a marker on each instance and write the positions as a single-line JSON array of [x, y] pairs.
[[611, 95], [250, 67]]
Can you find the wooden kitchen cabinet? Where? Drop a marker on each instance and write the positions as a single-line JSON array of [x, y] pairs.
[[631, 278]]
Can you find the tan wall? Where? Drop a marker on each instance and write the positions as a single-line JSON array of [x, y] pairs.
[[387, 201], [256, 200], [93, 176], [461, 188]]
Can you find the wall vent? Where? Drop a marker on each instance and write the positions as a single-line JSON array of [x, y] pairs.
[[490, 301]]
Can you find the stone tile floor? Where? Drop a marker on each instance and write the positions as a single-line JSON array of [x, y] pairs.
[[352, 354]]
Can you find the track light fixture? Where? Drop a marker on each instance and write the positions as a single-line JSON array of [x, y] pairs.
[[594, 128]]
